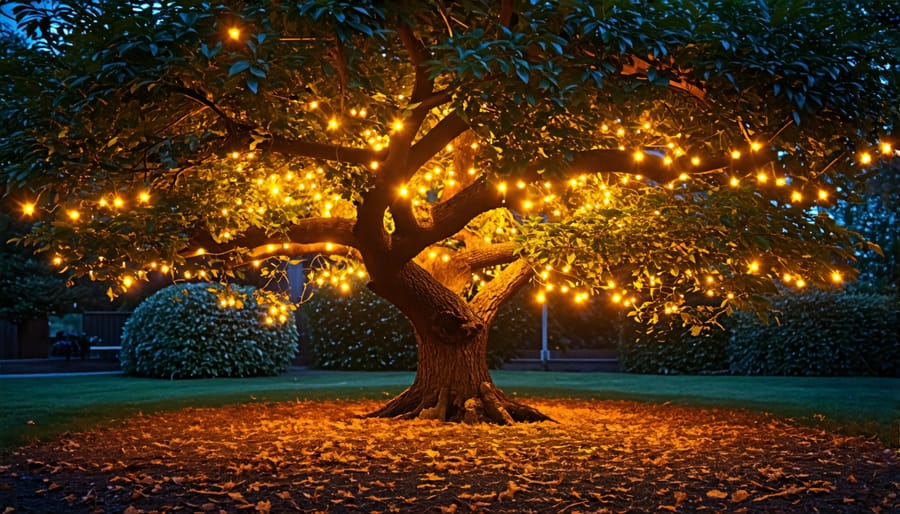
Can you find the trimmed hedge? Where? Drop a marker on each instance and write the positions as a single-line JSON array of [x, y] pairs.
[[820, 334], [182, 332], [672, 350], [362, 331]]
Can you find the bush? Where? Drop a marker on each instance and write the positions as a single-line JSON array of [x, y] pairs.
[[358, 331], [362, 331], [820, 334], [670, 349], [183, 332]]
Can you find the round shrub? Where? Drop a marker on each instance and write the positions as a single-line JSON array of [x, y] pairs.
[[670, 349], [182, 331], [820, 334]]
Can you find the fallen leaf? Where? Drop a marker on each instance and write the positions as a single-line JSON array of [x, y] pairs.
[[739, 496]]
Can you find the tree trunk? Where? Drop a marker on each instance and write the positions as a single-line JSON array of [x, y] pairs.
[[453, 384]]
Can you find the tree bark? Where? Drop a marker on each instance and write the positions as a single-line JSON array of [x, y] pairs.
[[452, 379], [453, 384]]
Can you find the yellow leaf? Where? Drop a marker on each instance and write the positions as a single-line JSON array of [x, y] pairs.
[[739, 496], [715, 493]]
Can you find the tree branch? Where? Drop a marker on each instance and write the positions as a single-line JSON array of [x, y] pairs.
[[328, 152], [489, 299], [334, 231]]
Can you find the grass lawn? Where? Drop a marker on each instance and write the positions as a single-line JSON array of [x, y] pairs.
[[40, 408]]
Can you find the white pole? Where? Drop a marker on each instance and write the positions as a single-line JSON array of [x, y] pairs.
[[545, 352]]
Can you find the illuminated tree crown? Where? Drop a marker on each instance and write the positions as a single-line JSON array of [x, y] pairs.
[[673, 156]]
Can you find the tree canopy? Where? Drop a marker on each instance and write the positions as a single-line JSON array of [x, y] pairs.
[[674, 156]]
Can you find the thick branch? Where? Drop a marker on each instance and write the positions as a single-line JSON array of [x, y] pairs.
[[487, 302], [445, 131], [490, 255], [328, 152], [418, 54], [337, 231]]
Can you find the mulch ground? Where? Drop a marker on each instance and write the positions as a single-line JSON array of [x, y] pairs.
[[321, 457]]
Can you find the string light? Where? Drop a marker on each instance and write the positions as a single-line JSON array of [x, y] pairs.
[[836, 277], [735, 154], [73, 214], [28, 209], [886, 149], [234, 33], [865, 158]]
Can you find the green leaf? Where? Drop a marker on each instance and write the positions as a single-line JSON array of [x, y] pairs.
[[238, 67]]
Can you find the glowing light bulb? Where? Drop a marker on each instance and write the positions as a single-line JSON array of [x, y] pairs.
[[667, 160], [127, 282], [801, 283], [638, 156], [755, 146], [234, 33], [404, 192], [886, 149], [501, 187], [787, 278], [57, 260], [616, 298], [796, 196], [735, 154], [823, 195], [73, 214], [865, 158], [540, 297], [144, 197], [735, 182], [314, 105], [780, 181], [753, 267], [28, 209], [836, 277], [397, 125], [118, 202], [695, 161], [333, 124], [762, 178]]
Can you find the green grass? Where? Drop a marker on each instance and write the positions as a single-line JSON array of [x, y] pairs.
[[866, 406]]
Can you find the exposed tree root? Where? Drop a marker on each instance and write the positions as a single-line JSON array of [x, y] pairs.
[[489, 405]]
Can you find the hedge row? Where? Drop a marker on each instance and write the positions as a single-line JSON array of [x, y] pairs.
[[813, 334]]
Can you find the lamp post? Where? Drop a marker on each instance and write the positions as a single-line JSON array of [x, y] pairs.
[[545, 352]]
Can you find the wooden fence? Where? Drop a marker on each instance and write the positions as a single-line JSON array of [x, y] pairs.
[[107, 325]]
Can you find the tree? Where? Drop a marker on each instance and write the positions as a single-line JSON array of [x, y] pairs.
[[452, 151]]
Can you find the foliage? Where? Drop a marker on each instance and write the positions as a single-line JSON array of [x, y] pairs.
[[184, 331], [821, 334], [29, 288], [877, 218], [359, 331], [673, 350], [640, 152]]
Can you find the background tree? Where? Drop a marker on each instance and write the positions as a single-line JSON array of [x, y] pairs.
[[452, 151]]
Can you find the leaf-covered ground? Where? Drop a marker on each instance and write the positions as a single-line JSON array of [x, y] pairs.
[[321, 457]]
